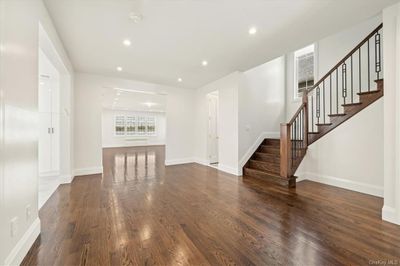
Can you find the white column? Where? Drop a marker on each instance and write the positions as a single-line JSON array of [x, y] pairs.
[[391, 55]]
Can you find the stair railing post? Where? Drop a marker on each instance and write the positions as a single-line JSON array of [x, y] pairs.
[[305, 128], [286, 149]]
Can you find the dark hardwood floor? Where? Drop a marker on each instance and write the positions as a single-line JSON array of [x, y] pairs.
[[142, 213]]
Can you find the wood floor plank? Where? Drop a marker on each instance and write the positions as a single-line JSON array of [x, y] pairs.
[[139, 212]]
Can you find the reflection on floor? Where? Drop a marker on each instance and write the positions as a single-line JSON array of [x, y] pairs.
[[142, 213], [138, 163]]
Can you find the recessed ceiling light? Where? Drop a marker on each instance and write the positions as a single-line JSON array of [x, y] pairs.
[[119, 69], [135, 17], [149, 104], [180, 80], [252, 30], [127, 42], [204, 63]]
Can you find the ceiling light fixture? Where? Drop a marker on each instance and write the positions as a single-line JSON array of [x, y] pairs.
[[149, 104], [119, 69], [252, 30], [127, 42], [135, 17], [180, 80], [204, 63], [137, 91]]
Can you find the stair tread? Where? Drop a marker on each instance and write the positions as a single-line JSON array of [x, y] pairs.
[[273, 155], [350, 104], [269, 146], [367, 92], [323, 124], [313, 132], [259, 161], [274, 174], [333, 115]]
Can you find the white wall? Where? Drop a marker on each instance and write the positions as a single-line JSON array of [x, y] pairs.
[[228, 156], [109, 139], [88, 129], [351, 156], [19, 37], [391, 53], [261, 106]]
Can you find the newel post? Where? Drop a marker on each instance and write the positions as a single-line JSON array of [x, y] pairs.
[[305, 128], [286, 147]]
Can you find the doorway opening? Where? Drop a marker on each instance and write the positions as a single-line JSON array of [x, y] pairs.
[[133, 133], [133, 118], [55, 120], [213, 128], [49, 129]]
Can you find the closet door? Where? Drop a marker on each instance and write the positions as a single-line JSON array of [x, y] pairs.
[[45, 94], [45, 136], [45, 98], [55, 142]]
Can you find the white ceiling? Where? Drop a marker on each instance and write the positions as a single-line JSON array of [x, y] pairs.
[[176, 35], [129, 100]]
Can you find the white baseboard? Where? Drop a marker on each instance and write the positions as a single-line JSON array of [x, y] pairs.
[[88, 171], [201, 161], [389, 214], [179, 161], [65, 179], [127, 145], [250, 151], [22, 247], [342, 183], [229, 169]]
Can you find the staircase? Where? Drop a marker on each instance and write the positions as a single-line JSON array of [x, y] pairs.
[[350, 86]]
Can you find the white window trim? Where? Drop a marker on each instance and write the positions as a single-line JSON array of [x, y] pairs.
[[296, 96]]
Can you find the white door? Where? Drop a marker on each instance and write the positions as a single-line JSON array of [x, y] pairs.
[[55, 142], [49, 133], [45, 165], [213, 128], [45, 95]]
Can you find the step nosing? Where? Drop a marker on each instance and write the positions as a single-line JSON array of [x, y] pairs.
[[263, 171]]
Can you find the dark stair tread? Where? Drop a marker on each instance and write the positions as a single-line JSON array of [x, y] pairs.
[[324, 124], [273, 141], [350, 104], [268, 149], [264, 172], [268, 165], [313, 133], [267, 154], [266, 176], [333, 115], [260, 161], [368, 92], [266, 157]]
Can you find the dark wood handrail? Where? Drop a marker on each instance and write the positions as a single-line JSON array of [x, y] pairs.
[[345, 58], [297, 113]]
